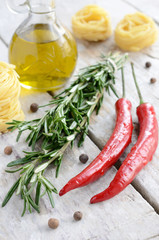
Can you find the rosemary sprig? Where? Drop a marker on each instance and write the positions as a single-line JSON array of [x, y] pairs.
[[59, 127]]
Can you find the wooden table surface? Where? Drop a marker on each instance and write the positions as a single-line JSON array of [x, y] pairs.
[[133, 214]]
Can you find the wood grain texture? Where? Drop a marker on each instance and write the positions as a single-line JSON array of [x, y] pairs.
[[148, 7], [9, 21], [108, 220], [127, 216], [3, 52]]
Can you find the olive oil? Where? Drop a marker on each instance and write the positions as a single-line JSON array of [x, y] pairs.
[[43, 59]]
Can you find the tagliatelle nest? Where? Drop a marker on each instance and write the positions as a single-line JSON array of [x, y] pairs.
[[10, 108], [135, 32], [92, 23]]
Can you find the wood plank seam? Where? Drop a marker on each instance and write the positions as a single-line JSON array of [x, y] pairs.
[[153, 237], [138, 188], [138, 9], [157, 58], [4, 42]]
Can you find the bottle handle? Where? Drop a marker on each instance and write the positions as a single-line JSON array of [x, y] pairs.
[[18, 6]]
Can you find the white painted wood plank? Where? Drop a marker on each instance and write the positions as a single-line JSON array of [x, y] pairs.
[[3, 52], [127, 216], [9, 21]]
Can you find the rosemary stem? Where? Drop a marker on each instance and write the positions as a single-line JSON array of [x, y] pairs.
[[123, 82]]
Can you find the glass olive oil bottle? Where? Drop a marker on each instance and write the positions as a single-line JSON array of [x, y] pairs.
[[43, 51]]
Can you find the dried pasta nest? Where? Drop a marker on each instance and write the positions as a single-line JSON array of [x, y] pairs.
[[10, 108], [135, 32], [92, 23]]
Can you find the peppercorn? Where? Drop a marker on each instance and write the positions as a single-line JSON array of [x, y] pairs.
[[153, 80], [8, 150], [147, 64], [53, 223], [83, 158], [77, 216], [34, 107]]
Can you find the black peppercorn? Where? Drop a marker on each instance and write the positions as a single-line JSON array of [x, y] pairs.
[[147, 64], [77, 216], [34, 107], [153, 80], [53, 223], [83, 158], [8, 150]]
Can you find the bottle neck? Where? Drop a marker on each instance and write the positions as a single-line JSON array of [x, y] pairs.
[[37, 17], [42, 6]]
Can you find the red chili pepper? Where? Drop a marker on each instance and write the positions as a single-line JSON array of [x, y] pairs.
[[115, 146], [141, 153]]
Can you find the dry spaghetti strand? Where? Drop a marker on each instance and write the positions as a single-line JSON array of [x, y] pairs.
[[92, 23], [135, 32], [10, 108]]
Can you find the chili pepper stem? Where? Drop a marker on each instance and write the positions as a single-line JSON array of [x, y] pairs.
[[123, 82], [136, 84]]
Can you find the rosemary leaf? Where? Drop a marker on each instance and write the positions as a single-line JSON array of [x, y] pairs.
[[33, 204], [10, 192], [38, 191], [51, 198], [24, 209]]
